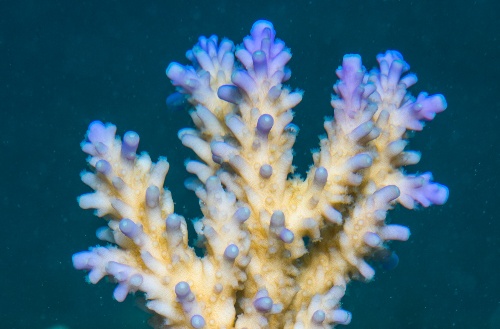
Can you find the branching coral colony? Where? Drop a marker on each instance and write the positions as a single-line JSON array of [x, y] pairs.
[[258, 271]]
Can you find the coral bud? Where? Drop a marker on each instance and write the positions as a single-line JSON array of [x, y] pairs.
[[263, 304], [182, 289], [286, 235], [341, 317], [197, 321], [231, 252], [129, 145], [265, 171], [173, 222], [318, 317], [129, 228], [152, 196], [242, 214], [264, 124]]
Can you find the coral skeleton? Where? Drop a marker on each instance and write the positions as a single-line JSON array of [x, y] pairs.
[[279, 249]]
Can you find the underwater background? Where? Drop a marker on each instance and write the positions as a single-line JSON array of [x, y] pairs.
[[67, 63]]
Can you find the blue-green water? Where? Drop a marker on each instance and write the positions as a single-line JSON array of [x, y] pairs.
[[66, 63]]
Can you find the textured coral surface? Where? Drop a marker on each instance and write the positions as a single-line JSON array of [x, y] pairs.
[[279, 249]]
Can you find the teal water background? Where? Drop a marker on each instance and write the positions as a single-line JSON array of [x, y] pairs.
[[66, 63]]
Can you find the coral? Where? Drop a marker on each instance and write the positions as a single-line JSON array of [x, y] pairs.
[[279, 249]]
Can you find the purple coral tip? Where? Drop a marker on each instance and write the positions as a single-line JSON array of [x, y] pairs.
[[341, 317], [175, 72], [318, 317], [197, 321], [101, 136], [129, 145], [230, 94], [182, 289], [266, 171], [153, 196], [422, 190], [320, 177], [231, 252], [263, 304], [242, 214], [437, 193], [262, 28], [103, 167], [173, 222], [264, 124], [286, 235], [81, 260], [426, 107], [129, 228]]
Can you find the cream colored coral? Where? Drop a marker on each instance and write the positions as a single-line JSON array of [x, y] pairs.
[[280, 249]]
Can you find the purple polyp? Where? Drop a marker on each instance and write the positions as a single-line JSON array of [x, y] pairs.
[[386, 194], [217, 159], [265, 171], [286, 235], [231, 252], [173, 222], [136, 280], [274, 93], [320, 177], [182, 289], [175, 72], [230, 94], [242, 214], [101, 148], [222, 150], [242, 79], [427, 107], [129, 228], [318, 317], [259, 63], [260, 31], [390, 56], [395, 232], [362, 131], [351, 75], [372, 239], [430, 192], [277, 219], [341, 317], [120, 293], [333, 215], [152, 196], [197, 321], [202, 58], [103, 167], [209, 232], [360, 161], [437, 193], [422, 190], [98, 132], [396, 147], [118, 183], [263, 304], [212, 184], [129, 145], [82, 260], [105, 234], [264, 124]]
